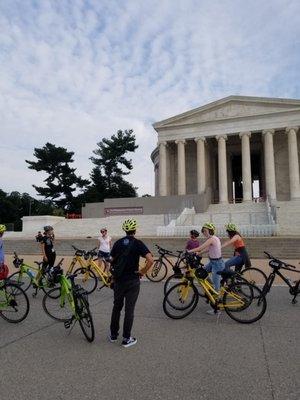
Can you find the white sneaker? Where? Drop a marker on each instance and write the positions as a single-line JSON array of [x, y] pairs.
[[112, 339], [212, 312], [129, 342]]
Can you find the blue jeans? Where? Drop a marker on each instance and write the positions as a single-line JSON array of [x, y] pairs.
[[236, 261], [215, 266]]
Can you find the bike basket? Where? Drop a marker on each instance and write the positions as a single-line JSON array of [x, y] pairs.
[[201, 273], [3, 271], [275, 263], [193, 260]]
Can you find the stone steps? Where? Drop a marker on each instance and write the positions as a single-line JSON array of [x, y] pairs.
[[286, 248]]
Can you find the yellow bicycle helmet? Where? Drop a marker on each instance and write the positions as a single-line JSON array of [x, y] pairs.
[[230, 227], [129, 225], [209, 225], [2, 228]]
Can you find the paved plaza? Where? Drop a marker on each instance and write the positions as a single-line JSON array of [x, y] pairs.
[[199, 357]]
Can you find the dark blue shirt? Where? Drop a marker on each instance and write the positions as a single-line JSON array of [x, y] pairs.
[[138, 249]]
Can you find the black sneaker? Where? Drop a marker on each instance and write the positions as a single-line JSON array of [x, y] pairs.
[[129, 342]]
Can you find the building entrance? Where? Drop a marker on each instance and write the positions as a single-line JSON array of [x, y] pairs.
[[237, 177]]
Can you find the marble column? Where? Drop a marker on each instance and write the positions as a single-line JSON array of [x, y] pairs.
[[163, 189], [223, 186], [293, 162], [181, 166], [201, 172], [246, 166], [269, 163]]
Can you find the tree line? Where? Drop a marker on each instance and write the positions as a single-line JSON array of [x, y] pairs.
[[64, 190]]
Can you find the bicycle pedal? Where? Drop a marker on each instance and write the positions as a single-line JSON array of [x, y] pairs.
[[67, 324]]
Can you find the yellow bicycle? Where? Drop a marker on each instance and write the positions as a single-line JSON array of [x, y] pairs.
[[241, 300], [89, 273]]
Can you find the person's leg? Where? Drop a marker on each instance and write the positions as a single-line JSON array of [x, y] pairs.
[[208, 266], [117, 308], [131, 296], [216, 278], [233, 262]]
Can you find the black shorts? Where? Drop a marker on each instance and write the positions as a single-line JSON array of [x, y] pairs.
[[103, 254]]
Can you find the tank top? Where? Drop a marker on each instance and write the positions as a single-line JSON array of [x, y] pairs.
[[214, 250], [239, 243]]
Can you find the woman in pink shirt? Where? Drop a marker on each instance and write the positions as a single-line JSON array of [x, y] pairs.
[[213, 246]]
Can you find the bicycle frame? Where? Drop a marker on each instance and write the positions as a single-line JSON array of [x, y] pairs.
[[178, 260], [66, 292], [89, 264], [25, 268], [212, 295], [76, 259]]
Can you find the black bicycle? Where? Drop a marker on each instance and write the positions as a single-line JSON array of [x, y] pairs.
[[276, 265], [159, 269]]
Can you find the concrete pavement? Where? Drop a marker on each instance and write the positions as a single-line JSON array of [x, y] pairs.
[[194, 358]]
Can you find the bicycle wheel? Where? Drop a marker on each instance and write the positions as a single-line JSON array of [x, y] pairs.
[[21, 279], [171, 281], [244, 302], [255, 276], [14, 303], [55, 307], [157, 272], [86, 278], [85, 318], [180, 300]]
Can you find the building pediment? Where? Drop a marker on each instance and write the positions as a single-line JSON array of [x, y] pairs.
[[232, 107]]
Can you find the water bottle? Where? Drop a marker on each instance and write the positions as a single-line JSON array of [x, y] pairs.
[[290, 281], [30, 273]]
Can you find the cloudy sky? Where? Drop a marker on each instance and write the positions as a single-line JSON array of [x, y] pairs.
[[75, 71]]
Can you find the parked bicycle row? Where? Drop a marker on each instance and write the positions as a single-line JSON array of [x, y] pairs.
[[241, 292]]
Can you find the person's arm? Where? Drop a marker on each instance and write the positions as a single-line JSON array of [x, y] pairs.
[[43, 251], [202, 248], [231, 241], [148, 264]]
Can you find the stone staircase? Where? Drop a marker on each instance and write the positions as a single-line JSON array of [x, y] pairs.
[[252, 219]]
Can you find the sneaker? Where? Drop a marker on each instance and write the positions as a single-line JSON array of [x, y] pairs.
[[129, 342], [112, 339], [212, 312]]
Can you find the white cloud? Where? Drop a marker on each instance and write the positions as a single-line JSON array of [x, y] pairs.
[[75, 72]]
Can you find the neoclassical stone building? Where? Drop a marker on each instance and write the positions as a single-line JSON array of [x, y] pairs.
[[236, 148]]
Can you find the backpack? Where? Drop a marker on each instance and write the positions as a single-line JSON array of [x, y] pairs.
[[3, 271], [119, 263]]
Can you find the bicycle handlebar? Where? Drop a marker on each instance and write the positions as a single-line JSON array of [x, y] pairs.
[[283, 264]]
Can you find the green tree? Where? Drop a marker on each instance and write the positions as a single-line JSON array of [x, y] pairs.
[[61, 181], [15, 205], [112, 165]]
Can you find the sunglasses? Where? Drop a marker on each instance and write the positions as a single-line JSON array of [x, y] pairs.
[[103, 231]]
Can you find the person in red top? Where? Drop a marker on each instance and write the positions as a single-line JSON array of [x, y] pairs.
[[240, 256], [193, 242]]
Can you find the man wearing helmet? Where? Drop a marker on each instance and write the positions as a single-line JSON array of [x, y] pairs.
[[125, 256]]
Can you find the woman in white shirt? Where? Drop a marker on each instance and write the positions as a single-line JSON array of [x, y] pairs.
[[104, 248]]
